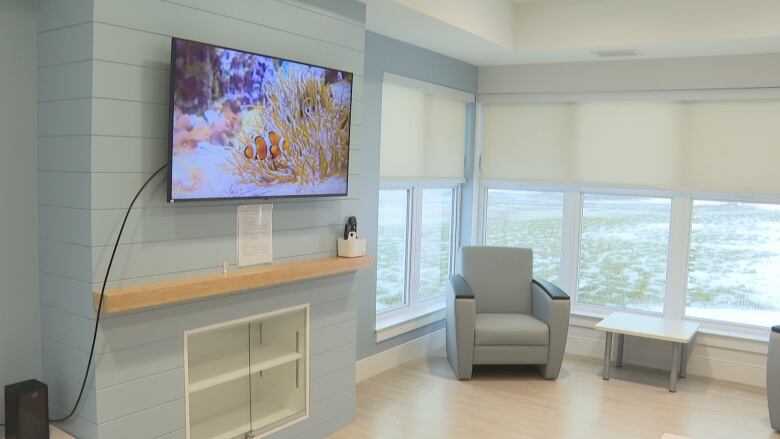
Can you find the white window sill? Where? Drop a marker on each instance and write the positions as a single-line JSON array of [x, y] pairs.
[[397, 324]]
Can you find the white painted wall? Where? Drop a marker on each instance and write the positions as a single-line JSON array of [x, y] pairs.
[[496, 32], [716, 72], [492, 20], [705, 24]]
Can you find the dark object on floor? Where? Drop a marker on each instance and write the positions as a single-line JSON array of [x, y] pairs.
[[773, 378], [27, 410]]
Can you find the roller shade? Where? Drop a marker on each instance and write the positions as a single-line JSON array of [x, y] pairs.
[[702, 145], [423, 130]]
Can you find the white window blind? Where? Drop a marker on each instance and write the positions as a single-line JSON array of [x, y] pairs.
[[707, 145], [423, 130]]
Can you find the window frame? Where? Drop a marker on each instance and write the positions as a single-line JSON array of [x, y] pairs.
[[681, 219], [723, 325], [408, 250], [622, 193], [413, 306]]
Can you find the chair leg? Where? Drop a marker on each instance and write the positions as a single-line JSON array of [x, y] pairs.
[[549, 371]]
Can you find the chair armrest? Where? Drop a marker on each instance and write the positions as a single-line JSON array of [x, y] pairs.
[[461, 287], [552, 306], [461, 317], [551, 289]]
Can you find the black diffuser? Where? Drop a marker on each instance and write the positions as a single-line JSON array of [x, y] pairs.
[[27, 410]]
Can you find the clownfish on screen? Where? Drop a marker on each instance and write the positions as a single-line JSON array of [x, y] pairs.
[[260, 149]]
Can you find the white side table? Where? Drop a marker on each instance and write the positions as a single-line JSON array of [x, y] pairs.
[[677, 331]]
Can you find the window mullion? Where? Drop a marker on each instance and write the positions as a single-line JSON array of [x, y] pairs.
[[455, 228], [481, 202], [677, 266], [479, 190], [409, 247], [416, 247], [570, 245]]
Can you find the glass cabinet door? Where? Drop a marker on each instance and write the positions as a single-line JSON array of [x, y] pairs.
[[278, 373], [247, 378], [218, 383]]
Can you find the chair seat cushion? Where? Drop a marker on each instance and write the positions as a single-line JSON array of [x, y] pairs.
[[496, 329]]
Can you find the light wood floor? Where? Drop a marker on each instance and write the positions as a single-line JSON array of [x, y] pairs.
[[422, 399]]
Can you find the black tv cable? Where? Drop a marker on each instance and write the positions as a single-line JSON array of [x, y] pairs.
[[102, 295]]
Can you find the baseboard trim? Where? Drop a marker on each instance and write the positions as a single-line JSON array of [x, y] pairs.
[[705, 361], [395, 356]]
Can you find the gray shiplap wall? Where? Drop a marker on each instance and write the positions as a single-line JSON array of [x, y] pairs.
[[64, 126], [110, 113], [20, 344]]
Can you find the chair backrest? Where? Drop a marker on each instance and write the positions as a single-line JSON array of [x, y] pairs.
[[500, 278]]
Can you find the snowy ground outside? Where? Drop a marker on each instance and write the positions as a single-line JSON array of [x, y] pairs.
[[734, 262]]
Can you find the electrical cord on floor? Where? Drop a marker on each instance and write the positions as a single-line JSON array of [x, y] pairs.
[[102, 294]]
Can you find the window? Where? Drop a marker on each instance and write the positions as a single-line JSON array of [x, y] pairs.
[[422, 149], [623, 251], [734, 262], [436, 241], [416, 246], [392, 249], [631, 232], [534, 220]]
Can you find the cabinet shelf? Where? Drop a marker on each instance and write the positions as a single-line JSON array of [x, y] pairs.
[[225, 425], [231, 365], [232, 423], [268, 416]]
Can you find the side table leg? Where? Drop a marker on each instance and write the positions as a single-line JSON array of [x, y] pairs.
[[675, 367], [619, 360], [684, 361], [607, 354]]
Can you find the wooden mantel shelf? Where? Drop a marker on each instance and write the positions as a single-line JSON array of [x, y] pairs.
[[182, 290]]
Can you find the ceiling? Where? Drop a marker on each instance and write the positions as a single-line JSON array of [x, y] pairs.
[[506, 32]]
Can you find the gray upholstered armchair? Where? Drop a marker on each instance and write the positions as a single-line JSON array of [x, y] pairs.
[[498, 314]]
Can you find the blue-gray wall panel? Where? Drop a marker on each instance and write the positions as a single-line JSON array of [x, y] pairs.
[[63, 44], [64, 84], [68, 154], [64, 81], [56, 14], [20, 343]]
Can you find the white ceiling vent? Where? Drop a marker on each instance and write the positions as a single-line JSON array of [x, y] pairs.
[[616, 53]]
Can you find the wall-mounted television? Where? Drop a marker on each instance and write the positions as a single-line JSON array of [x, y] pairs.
[[245, 125]]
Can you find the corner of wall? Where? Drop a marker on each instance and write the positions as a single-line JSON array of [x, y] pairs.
[[382, 55], [20, 341]]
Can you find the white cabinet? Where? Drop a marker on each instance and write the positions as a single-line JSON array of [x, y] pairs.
[[248, 377]]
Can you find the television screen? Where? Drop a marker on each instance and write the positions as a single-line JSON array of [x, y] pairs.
[[252, 126]]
